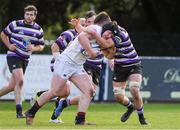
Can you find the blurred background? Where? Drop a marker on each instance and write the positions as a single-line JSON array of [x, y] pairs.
[[152, 24]]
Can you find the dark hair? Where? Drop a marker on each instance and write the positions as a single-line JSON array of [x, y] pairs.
[[89, 14], [30, 8], [111, 26], [102, 18]]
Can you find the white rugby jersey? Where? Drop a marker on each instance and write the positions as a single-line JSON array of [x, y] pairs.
[[74, 50]]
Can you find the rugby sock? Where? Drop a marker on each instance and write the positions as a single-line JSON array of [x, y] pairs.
[[34, 108], [140, 112], [80, 118], [40, 92], [129, 105], [18, 108]]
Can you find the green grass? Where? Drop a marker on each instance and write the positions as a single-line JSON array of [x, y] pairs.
[[106, 116]]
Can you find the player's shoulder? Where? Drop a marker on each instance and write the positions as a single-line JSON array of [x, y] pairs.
[[121, 29], [95, 28], [15, 21], [71, 31], [37, 26]]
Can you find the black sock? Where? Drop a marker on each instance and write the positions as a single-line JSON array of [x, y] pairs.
[[129, 105], [34, 108], [80, 118], [53, 116], [140, 112], [18, 108], [41, 92]]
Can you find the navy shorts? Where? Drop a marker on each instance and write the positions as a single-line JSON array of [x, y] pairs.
[[121, 74], [94, 71], [16, 62]]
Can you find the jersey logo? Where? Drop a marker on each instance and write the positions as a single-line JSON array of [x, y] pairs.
[[14, 66]]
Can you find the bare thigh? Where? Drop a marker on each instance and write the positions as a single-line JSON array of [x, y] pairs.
[[84, 83]]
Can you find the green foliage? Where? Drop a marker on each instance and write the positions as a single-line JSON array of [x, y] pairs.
[[52, 31], [137, 16]]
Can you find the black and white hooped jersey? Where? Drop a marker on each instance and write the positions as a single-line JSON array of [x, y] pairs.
[[126, 54], [22, 34]]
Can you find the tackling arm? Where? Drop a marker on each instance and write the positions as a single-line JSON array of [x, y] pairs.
[[84, 40]]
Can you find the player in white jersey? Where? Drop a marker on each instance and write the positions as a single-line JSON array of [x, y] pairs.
[[69, 66], [91, 66]]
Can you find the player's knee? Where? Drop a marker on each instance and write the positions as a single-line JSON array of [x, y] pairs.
[[118, 91], [20, 83], [65, 94], [134, 86], [89, 92]]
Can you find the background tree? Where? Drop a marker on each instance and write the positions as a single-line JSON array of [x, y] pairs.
[[153, 25]]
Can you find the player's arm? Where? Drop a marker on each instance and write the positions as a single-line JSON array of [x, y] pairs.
[[77, 25], [55, 50], [104, 43], [5, 40], [39, 45], [35, 48], [84, 40], [5, 34]]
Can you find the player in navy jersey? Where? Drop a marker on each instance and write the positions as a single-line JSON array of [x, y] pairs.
[[127, 68], [22, 37]]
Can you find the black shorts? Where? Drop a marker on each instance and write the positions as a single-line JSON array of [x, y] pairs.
[[16, 62], [94, 71], [121, 74]]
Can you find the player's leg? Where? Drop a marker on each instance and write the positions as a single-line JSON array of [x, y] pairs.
[[57, 85], [119, 93], [85, 85], [134, 87], [35, 96], [18, 77], [9, 88], [120, 77], [61, 103]]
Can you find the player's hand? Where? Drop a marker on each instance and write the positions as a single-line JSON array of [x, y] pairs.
[[12, 47], [30, 47], [74, 22], [52, 64], [111, 64]]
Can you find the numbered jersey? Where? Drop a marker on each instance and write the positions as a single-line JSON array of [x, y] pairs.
[[74, 50]]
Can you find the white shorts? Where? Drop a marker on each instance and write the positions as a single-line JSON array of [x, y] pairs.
[[65, 67]]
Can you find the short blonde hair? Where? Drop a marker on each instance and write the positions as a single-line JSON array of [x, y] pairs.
[[30, 8]]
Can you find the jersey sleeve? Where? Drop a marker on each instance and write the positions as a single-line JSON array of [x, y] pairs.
[[9, 29], [65, 38]]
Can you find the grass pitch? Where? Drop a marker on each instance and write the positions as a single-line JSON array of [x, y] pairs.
[[105, 115]]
